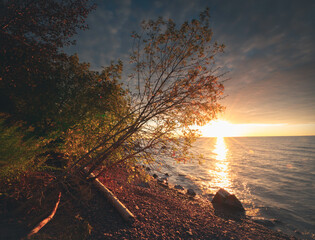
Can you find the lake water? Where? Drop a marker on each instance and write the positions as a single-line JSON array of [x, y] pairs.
[[274, 177]]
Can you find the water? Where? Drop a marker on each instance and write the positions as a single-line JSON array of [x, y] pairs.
[[274, 177]]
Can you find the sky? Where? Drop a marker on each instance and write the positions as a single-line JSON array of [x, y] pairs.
[[269, 56]]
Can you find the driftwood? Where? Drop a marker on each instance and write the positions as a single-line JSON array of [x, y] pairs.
[[120, 207], [40, 225]]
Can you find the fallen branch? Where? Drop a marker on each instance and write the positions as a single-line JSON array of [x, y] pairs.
[[46, 220], [120, 207]]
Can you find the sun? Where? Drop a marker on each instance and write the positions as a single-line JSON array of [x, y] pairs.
[[219, 128]]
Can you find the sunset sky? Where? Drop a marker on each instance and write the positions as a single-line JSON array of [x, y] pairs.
[[269, 55]]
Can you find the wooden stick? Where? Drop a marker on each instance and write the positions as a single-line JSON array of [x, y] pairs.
[[45, 221]]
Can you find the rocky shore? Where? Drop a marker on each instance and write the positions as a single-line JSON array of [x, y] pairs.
[[161, 212], [168, 213]]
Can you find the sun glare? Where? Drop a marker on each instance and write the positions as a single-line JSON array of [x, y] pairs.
[[219, 128], [220, 175]]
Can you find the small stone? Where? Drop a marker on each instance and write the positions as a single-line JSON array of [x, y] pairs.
[[155, 176], [166, 174], [179, 187], [162, 180], [191, 192], [148, 169]]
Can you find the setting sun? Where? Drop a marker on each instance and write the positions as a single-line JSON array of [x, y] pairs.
[[219, 128]]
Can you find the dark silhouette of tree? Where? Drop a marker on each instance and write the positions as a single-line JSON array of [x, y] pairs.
[[31, 33]]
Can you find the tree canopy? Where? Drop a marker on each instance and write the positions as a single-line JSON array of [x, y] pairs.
[[176, 85], [31, 34]]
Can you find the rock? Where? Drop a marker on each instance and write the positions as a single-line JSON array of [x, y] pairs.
[[225, 199], [144, 184], [233, 202], [179, 187], [220, 196], [162, 180], [155, 176], [166, 174], [191, 192], [148, 169]]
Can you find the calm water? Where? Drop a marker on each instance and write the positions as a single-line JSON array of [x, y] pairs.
[[274, 177]]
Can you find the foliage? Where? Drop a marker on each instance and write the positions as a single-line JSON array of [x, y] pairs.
[[43, 92], [106, 105], [18, 151], [87, 115], [31, 33], [47, 23], [177, 85]]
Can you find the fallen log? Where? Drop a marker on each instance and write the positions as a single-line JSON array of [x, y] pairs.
[[120, 207]]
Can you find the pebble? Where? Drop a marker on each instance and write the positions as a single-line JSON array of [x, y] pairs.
[[191, 192], [179, 187]]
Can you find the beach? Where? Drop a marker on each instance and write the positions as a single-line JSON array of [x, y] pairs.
[[164, 213], [160, 212]]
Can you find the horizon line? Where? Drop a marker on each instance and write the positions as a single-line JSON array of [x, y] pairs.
[[262, 136]]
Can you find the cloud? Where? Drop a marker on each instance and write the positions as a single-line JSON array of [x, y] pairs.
[[269, 55]]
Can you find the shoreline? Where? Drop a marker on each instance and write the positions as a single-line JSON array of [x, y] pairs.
[[160, 213], [166, 213]]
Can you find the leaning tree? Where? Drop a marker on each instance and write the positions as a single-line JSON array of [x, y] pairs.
[[174, 84]]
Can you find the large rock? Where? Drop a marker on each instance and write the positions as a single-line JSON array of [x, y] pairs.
[[233, 202], [220, 196], [225, 199]]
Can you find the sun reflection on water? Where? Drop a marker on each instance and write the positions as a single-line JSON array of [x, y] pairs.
[[220, 149], [221, 172]]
